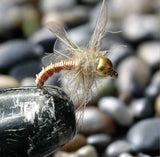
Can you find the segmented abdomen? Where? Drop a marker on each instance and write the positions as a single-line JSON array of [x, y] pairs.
[[48, 71]]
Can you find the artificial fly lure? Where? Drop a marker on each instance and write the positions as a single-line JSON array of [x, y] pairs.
[[84, 65]]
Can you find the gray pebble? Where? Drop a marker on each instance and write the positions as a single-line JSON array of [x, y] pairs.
[[45, 38], [117, 147], [119, 52], [136, 27], [15, 51], [116, 109], [125, 155], [141, 108], [144, 136], [49, 5], [81, 34], [25, 69], [100, 141], [73, 16], [134, 74], [95, 121], [150, 53], [153, 88], [119, 8], [28, 81], [10, 18]]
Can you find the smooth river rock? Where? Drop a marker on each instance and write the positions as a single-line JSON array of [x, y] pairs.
[[116, 109], [144, 136]]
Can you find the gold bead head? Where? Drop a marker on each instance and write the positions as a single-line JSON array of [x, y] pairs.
[[105, 67]]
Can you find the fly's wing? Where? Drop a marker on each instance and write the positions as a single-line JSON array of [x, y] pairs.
[[64, 48], [95, 41]]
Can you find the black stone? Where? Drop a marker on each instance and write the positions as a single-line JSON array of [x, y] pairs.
[[45, 38], [117, 147], [145, 135], [34, 122], [141, 108], [100, 141], [15, 51], [26, 69]]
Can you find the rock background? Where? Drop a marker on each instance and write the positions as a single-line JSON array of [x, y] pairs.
[[123, 119]]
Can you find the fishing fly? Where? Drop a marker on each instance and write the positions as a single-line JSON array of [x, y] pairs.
[[84, 65]]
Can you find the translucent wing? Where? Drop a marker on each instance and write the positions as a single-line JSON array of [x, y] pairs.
[[64, 48], [61, 35], [95, 41], [59, 53]]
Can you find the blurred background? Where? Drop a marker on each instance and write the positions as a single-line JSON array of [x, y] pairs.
[[123, 118]]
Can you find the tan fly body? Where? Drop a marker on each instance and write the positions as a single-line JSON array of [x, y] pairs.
[[84, 66]]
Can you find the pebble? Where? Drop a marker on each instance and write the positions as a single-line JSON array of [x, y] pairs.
[[49, 5], [157, 105], [95, 121], [152, 89], [74, 16], [8, 82], [13, 2], [25, 69], [116, 109], [87, 151], [28, 81], [136, 27], [77, 142], [117, 147], [150, 53], [125, 155], [10, 18], [144, 155], [155, 77], [141, 108], [144, 136], [119, 52], [45, 38], [31, 20], [14, 51], [100, 141], [119, 8], [134, 74]]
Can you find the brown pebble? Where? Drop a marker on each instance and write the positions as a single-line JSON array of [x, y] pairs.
[[157, 105], [77, 142]]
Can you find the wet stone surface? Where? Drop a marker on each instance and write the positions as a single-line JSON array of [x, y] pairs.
[[45, 38], [7, 81], [15, 51], [95, 121], [100, 141], [116, 109], [137, 134], [131, 40], [117, 147], [25, 69], [134, 76], [141, 108]]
